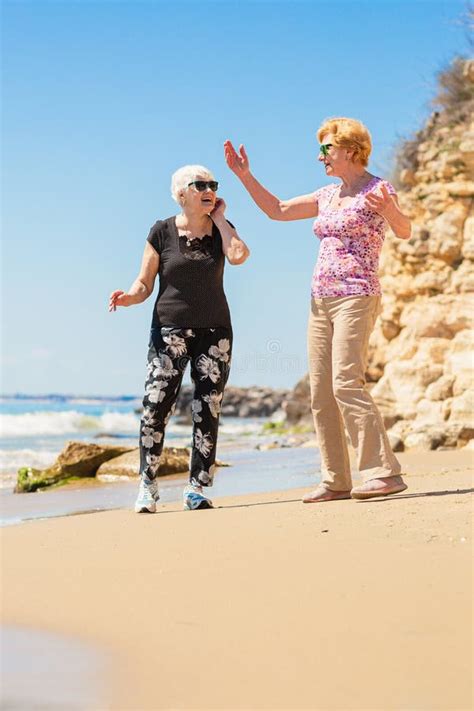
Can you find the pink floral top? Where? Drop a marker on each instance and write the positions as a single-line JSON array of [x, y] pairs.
[[351, 241]]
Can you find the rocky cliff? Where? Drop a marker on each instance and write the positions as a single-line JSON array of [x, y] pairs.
[[421, 350]]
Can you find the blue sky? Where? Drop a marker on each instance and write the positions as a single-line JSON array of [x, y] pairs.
[[104, 100]]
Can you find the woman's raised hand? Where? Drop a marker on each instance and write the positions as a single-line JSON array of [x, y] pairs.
[[219, 209], [119, 298], [382, 203], [237, 162]]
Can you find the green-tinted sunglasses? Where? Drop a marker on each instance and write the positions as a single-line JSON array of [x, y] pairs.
[[324, 148]]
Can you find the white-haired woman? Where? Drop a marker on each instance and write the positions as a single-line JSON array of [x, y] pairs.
[[350, 220], [191, 323]]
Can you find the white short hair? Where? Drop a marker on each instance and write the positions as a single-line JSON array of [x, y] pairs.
[[185, 175]]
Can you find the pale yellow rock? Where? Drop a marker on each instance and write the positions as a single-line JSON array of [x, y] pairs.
[[441, 388], [432, 350], [389, 319], [459, 359], [384, 395], [435, 204], [429, 412], [434, 280], [443, 317], [417, 245], [424, 439], [401, 428], [405, 382], [462, 408], [403, 347], [466, 149], [462, 382], [401, 285], [468, 238], [462, 280], [446, 407], [446, 234], [461, 188]]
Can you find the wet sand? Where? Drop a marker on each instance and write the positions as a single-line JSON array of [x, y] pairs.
[[265, 603], [250, 471]]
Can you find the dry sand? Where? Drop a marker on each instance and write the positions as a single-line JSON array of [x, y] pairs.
[[266, 603]]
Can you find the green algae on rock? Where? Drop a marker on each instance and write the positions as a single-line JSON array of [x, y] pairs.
[[78, 459]]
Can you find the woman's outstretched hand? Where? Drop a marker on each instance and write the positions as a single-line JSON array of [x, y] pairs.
[[119, 298], [237, 162]]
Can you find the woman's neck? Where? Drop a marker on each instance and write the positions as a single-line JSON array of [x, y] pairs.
[[196, 224], [354, 179]]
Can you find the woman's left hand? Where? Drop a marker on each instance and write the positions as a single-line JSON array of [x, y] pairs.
[[383, 204], [219, 209]]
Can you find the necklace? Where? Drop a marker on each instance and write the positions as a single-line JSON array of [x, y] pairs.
[[190, 240], [336, 201]]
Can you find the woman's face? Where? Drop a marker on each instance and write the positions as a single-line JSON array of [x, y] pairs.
[[199, 201], [334, 159]]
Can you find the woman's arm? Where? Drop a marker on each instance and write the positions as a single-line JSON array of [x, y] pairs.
[[297, 208], [233, 247], [387, 206], [143, 285]]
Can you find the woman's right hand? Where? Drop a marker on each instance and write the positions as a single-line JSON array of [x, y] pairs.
[[119, 298], [237, 162]]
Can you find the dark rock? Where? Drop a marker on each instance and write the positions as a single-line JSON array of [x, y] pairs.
[[297, 405], [237, 402]]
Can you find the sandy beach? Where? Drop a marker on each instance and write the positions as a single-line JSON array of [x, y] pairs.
[[264, 603]]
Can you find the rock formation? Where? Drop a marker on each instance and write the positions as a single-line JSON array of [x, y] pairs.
[[174, 460], [81, 459]]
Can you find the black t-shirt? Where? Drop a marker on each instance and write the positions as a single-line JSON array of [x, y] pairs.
[[191, 293]]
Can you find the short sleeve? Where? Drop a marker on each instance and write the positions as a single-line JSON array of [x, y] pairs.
[[321, 195], [389, 186], [155, 237], [216, 228]]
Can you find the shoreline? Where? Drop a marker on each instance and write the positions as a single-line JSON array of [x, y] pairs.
[[265, 602], [251, 470]]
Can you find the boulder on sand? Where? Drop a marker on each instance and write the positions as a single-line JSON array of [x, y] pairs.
[[78, 459], [174, 460]]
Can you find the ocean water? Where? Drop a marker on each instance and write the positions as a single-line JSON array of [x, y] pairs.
[[33, 430]]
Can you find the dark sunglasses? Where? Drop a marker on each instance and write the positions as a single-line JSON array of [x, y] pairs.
[[324, 148], [202, 185]]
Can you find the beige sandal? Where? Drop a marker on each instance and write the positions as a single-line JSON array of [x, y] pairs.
[[379, 487], [321, 493]]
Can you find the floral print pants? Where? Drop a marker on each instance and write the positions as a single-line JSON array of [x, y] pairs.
[[170, 350]]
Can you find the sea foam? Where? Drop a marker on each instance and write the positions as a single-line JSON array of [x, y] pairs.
[[33, 424]]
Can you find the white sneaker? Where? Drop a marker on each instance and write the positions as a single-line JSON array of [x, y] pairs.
[[147, 496], [193, 498]]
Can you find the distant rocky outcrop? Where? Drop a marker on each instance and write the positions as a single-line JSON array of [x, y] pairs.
[[237, 402], [421, 351]]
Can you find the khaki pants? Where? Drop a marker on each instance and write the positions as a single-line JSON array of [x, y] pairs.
[[338, 336]]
